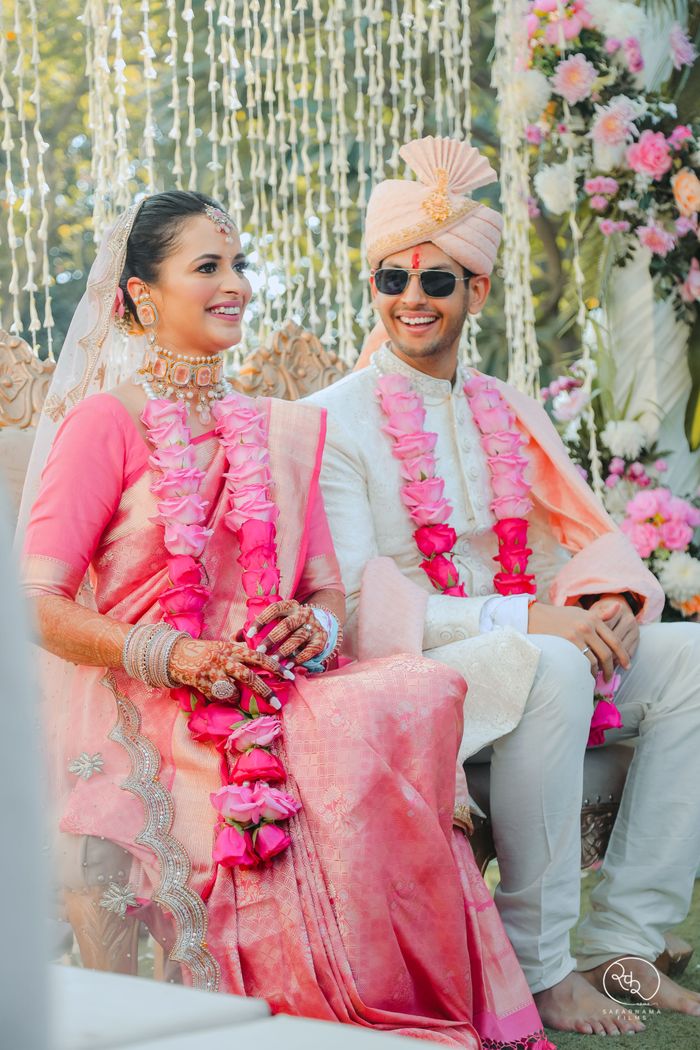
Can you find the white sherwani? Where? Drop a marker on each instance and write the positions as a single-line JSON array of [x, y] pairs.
[[530, 697], [482, 636]]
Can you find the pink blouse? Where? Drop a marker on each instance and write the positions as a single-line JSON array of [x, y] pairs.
[[98, 453]]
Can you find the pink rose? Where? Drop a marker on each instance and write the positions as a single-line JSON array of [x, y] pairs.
[[418, 468], [405, 422], [254, 705], [257, 764], [393, 384], [690, 289], [191, 623], [645, 538], [234, 848], [213, 723], [238, 455], [642, 506], [176, 457], [237, 803], [612, 44], [604, 689], [511, 507], [676, 535], [492, 419], [185, 510], [513, 560], [650, 155], [612, 480], [274, 804], [598, 202], [159, 412], [617, 465], [435, 539], [176, 483], [270, 840], [441, 572], [184, 570], [254, 471], [254, 731], [409, 445], [606, 227], [520, 583], [261, 581], [633, 54], [509, 485], [430, 490], [170, 432], [185, 539], [605, 716], [511, 532], [501, 443], [680, 509], [188, 598], [250, 501]]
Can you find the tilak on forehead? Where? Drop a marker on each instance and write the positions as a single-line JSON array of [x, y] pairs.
[[403, 214]]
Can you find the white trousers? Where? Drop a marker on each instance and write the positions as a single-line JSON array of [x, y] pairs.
[[536, 794]]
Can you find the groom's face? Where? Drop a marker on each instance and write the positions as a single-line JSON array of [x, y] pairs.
[[421, 327]]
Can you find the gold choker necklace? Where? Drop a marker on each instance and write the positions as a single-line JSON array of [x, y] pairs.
[[195, 380]]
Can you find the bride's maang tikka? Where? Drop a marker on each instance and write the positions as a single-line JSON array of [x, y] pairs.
[[223, 222]]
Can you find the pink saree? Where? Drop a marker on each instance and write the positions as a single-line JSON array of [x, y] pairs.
[[376, 915]]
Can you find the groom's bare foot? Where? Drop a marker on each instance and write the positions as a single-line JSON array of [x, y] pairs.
[[574, 1005], [667, 996]]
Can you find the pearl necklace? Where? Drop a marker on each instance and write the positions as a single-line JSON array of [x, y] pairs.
[[196, 380]]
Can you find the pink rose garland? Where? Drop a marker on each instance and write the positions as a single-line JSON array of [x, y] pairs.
[[435, 538], [250, 815]]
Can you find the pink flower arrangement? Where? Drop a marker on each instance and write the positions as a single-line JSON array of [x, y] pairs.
[[683, 51], [633, 54], [598, 202], [657, 520], [610, 226], [651, 155], [654, 237], [574, 78], [680, 134]]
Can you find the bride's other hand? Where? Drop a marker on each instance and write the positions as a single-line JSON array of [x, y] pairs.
[[298, 634], [200, 664]]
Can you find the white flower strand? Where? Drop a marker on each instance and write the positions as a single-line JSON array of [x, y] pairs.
[[149, 75], [175, 133], [8, 146], [42, 185], [213, 88], [188, 59], [122, 159], [466, 53], [25, 208], [524, 360]]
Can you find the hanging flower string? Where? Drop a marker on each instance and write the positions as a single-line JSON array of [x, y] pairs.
[[423, 496], [249, 807]]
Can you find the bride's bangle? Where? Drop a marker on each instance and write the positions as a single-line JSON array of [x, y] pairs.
[[147, 651]]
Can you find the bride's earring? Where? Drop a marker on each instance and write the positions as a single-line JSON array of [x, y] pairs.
[[147, 316]]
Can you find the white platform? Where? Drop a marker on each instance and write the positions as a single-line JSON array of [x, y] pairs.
[[101, 1011]]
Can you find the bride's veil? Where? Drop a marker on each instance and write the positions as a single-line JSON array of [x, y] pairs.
[[95, 355]]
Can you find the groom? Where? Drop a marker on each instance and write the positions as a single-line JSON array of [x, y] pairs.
[[458, 480]]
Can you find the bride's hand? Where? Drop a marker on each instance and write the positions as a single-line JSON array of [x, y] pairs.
[[298, 634], [202, 664]]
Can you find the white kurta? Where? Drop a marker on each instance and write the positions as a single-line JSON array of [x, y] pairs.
[[361, 480]]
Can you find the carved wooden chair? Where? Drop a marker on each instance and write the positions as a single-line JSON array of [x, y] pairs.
[[295, 364]]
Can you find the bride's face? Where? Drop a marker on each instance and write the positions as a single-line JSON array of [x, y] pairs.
[[202, 290]]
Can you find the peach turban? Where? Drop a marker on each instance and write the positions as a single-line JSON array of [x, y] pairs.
[[401, 213]]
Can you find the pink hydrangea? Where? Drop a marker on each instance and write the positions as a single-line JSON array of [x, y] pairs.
[[683, 51], [573, 78], [601, 184], [687, 224], [680, 134], [651, 155], [633, 54], [654, 237]]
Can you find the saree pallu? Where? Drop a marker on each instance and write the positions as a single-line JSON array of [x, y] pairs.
[[376, 914]]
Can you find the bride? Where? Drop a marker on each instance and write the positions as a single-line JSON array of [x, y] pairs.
[[282, 823]]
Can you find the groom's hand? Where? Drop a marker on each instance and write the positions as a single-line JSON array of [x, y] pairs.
[[623, 623], [588, 629]]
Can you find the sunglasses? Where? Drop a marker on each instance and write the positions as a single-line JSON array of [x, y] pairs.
[[437, 284]]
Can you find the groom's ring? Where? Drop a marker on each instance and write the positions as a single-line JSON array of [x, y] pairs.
[[586, 650], [307, 627]]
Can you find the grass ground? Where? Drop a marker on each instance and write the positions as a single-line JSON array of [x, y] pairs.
[[663, 1031]]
